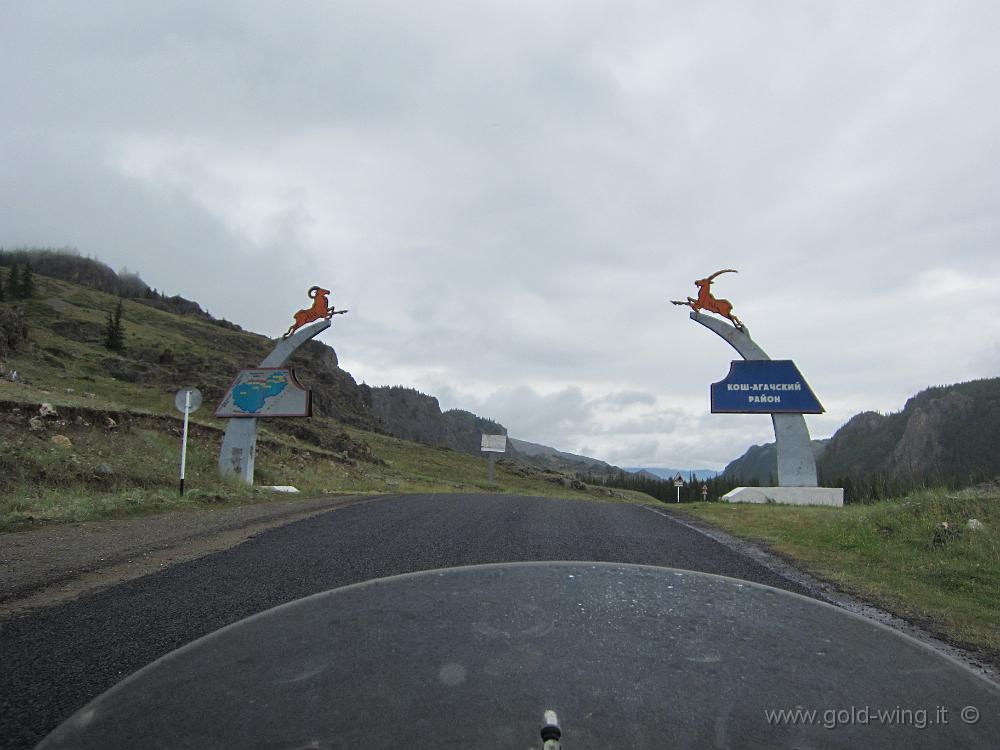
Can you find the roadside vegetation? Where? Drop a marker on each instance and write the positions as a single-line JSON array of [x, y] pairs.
[[108, 442], [918, 556], [84, 469]]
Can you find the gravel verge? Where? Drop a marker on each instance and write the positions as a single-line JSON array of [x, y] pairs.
[[46, 566]]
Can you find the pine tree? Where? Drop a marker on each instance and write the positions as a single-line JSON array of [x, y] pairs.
[[27, 283], [1, 287], [14, 282], [114, 333]]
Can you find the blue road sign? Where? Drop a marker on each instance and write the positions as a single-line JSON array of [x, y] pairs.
[[764, 386]]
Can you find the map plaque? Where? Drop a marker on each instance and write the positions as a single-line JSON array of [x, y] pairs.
[[266, 392]]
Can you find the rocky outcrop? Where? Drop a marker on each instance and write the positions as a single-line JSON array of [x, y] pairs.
[[335, 392], [464, 430], [408, 414], [69, 266], [411, 415], [945, 434], [921, 444]]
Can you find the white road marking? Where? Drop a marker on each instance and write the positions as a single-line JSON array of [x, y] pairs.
[[654, 511]]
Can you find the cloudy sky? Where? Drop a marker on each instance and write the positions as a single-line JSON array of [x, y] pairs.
[[507, 194]]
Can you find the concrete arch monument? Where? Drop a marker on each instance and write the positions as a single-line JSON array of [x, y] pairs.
[[269, 390], [785, 399], [796, 464]]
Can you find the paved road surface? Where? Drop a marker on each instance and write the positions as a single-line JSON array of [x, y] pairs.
[[54, 661]]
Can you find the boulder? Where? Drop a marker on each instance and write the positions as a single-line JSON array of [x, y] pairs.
[[62, 441], [944, 532]]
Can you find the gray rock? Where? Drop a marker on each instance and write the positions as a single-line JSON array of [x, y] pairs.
[[62, 441], [35, 424], [943, 533]]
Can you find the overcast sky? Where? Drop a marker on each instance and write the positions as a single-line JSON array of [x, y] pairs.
[[506, 195]]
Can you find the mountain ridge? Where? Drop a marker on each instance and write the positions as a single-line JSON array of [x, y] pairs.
[[942, 435], [399, 411]]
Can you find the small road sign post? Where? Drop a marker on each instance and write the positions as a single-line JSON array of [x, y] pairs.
[[704, 492], [493, 444], [678, 483], [187, 401]]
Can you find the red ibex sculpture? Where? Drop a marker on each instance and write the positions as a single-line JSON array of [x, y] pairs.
[[320, 309], [708, 302]]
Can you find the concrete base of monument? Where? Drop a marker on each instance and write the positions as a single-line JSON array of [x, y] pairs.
[[787, 495]]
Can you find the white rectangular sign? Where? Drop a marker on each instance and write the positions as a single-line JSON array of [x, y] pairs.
[[495, 443]]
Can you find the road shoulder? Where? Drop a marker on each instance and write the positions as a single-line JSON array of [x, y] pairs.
[[47, 566], [830, 593]]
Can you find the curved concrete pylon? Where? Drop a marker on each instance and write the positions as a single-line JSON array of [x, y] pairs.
[[796, 463], [239, 445]]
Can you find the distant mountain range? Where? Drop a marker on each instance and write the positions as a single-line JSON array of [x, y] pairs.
[[945, 434], [660, 473], [545, 457]]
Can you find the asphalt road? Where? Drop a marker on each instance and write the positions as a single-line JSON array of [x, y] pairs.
[[54, 661]]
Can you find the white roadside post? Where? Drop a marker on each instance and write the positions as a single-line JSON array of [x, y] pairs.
[[493, 444], [187, 401], [678, 483]]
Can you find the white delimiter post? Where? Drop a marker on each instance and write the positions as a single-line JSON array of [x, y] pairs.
[[184, 439], [187, 401]]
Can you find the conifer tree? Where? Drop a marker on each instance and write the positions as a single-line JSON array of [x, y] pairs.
[[114, 333], [14, 282], [1, 287], [27, 283]]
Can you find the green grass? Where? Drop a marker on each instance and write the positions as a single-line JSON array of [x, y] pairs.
[[110, 474], [885, 553], [64, 364], [134, 468]]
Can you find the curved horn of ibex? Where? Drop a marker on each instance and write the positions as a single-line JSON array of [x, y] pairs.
[[724, 270]]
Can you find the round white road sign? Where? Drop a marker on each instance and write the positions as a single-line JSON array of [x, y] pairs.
[[180, 398]]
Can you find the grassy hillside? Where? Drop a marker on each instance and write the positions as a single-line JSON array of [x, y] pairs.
[[895, 553], [119, 448], [943, 436]]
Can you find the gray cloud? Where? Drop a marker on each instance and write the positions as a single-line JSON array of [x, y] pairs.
[[507, 195]]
